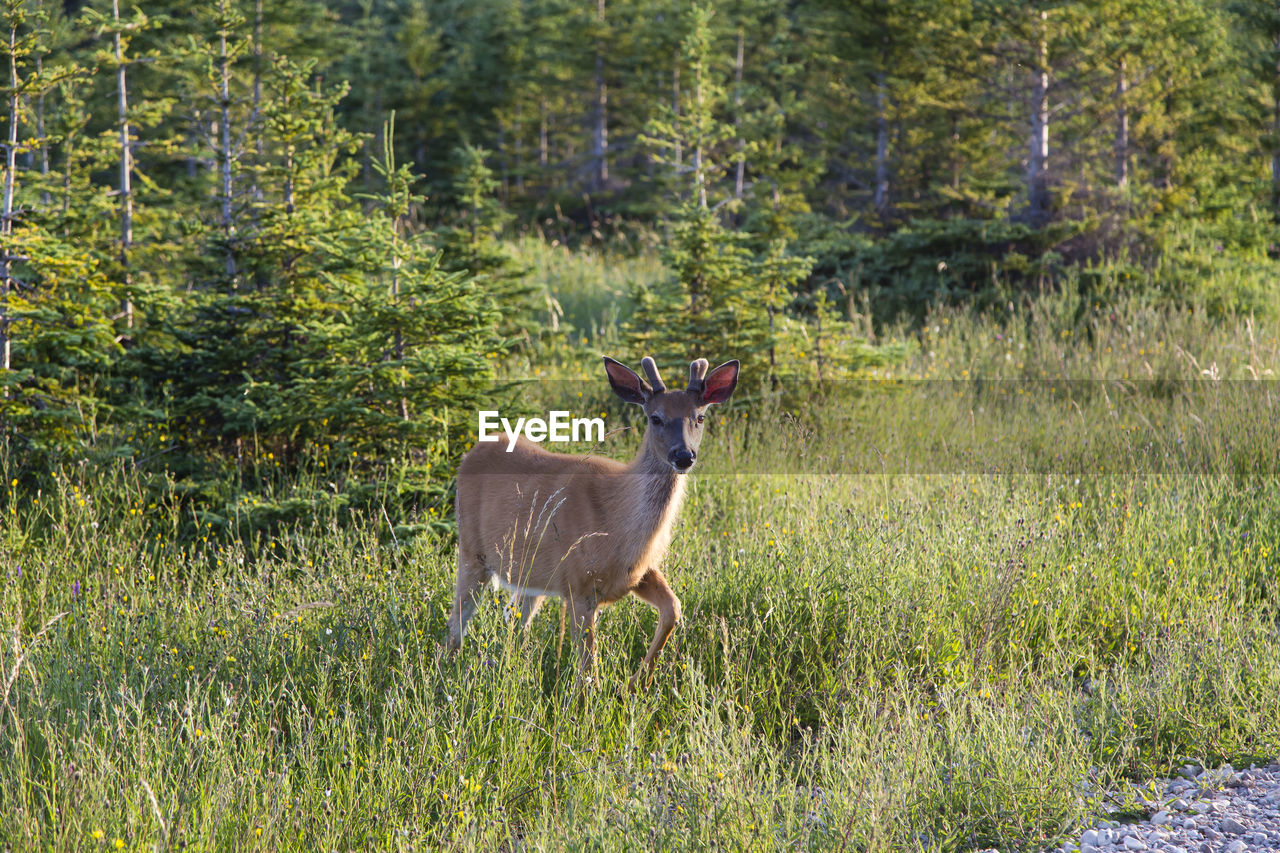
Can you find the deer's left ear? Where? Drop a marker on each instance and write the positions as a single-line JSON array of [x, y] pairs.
[[626, 384], [719, 384]]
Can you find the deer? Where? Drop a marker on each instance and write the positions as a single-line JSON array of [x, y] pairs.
[[586, 529]]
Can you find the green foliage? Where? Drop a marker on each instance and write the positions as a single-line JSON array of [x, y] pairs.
[[281, 327], [62, 347], [1225, 267], [356, 343], [472, 243], [810, 171], [930, 261], [729, 290], [56, 338], [586, 289], [708, 307]]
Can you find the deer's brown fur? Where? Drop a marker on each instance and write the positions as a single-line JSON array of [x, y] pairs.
[[587, 529]]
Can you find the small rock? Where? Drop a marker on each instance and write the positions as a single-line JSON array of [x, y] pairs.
[[1210, 833], [1200, 807], [1161, 818], [1179, 804], [1089, 836], [1188, 823], [1236, 846], [1088, 848], [1233, 826], [1173, 848], [1131, 843]]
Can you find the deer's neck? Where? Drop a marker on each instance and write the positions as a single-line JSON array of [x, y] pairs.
[[653, 494]]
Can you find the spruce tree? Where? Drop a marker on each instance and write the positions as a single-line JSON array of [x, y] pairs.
[[56, 341]]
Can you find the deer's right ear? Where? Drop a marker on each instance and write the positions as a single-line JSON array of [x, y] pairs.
[[626, 383]]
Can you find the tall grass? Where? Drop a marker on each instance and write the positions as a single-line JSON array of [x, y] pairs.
[[946, 641], [586, 289]]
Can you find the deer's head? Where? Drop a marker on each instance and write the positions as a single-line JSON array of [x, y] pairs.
[[675, 417]]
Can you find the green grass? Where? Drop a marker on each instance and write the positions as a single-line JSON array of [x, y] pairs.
[[1024, 593], [586, 290]]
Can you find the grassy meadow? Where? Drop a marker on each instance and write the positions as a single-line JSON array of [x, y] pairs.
[[950, 606]]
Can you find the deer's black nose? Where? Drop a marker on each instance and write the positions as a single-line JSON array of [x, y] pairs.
[[683, 459]]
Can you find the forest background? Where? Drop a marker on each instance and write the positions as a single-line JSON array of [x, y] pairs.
[[248, 239]]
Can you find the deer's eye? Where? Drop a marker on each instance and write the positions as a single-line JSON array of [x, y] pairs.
[[701, 418], [655, 420]]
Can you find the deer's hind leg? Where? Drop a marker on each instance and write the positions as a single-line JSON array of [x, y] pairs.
[[473, 576], [655, 591]]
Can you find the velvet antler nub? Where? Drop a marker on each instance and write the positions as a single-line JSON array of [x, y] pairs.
[[697, 373], [651, 370]]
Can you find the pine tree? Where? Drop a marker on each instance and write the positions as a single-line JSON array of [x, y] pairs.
[[56, 341], [470, 241], [711, 304], [410, 356]]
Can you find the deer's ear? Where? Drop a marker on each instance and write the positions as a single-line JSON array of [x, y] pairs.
[[719, 384], [626, 384]]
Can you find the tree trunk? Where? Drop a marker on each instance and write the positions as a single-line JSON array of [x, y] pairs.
[[1122, 127], [398, 342], [6, 213], [544, 156], [69, 158], [1038, 162], [224, 153], [1163, 179], [882, 147], [504, 171], [956, 164], [675, 109], [740, 171], [699, 176], [601, 140], [126, 170], [40, 137], [255, 191], [518, 159], [288, 181], [1275, 136]]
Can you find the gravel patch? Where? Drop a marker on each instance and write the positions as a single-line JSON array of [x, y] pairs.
[[1200, 811]]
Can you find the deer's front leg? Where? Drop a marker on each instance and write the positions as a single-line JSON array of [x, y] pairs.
[[582, 617], [653, 589], [473, 576]]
